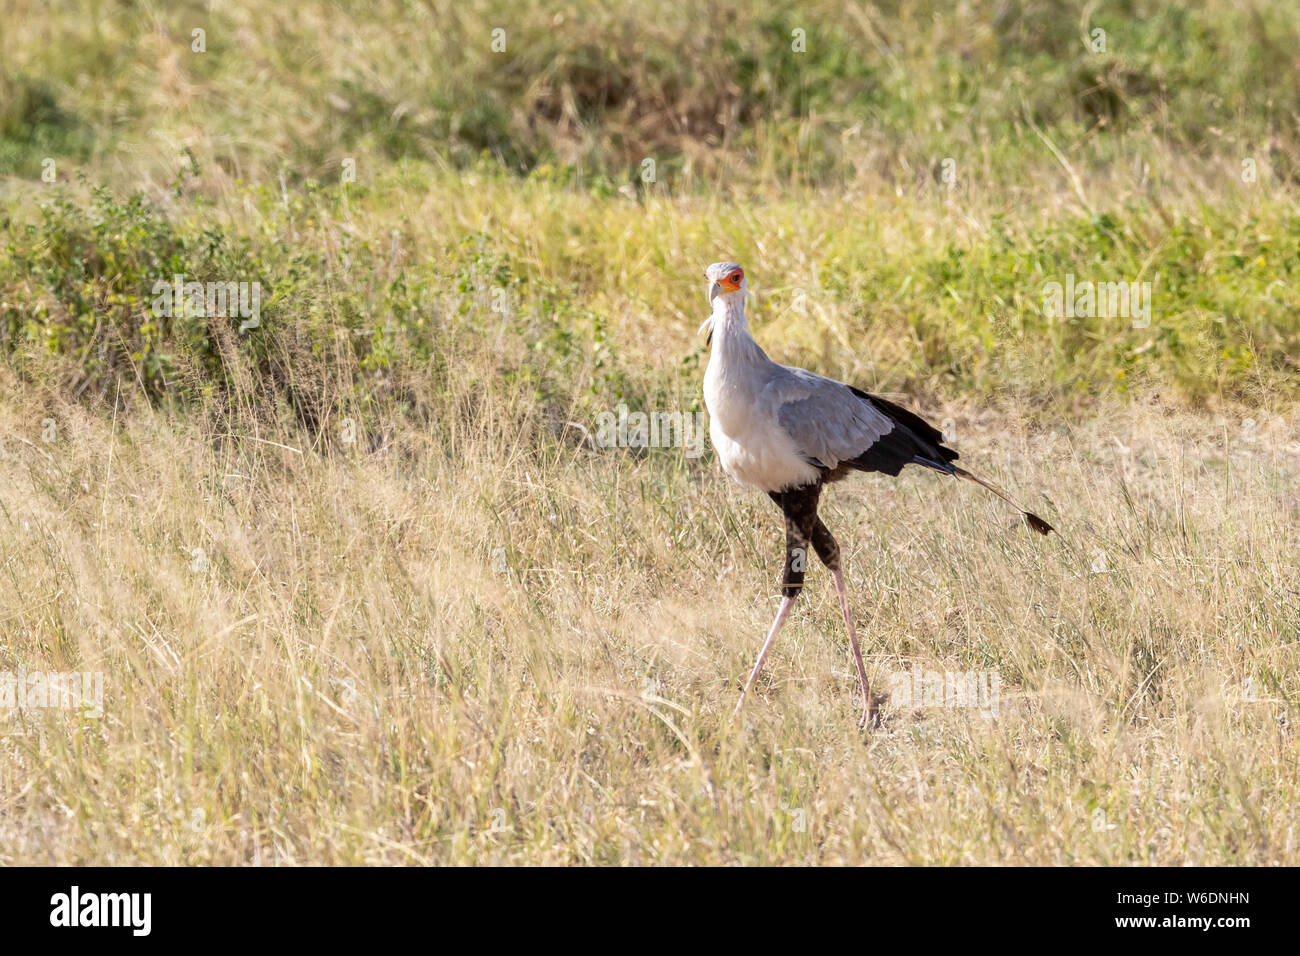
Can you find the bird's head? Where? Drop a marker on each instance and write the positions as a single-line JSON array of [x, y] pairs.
[[726, 279]]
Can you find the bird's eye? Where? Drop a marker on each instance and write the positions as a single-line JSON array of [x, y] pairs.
[[735, 277]]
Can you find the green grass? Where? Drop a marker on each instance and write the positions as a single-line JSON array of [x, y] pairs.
[[712, 91], [966, 163], [581, 279]]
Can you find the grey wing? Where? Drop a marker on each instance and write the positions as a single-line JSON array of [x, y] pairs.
[[825, 420]]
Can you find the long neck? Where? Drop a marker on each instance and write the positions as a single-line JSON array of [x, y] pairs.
[[732, 343]]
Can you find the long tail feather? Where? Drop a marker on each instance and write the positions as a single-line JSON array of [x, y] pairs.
[[1031, 519]]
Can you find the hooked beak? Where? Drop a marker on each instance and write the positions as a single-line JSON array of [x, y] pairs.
[[714, 290]]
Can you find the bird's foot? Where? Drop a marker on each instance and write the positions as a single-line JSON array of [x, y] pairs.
[[870, 711]]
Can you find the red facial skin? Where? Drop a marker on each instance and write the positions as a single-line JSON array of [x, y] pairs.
[[731, 283]]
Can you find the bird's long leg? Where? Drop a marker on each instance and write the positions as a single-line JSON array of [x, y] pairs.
[[794, 505], [782, 613], [853, 642], [829, 551]]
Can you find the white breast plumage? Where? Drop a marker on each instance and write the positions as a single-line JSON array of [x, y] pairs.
[[750, 442]]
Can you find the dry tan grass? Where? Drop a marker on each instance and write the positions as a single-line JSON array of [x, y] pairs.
[[383, 654], [470, 637]]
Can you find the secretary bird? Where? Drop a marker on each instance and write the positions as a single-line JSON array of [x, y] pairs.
[[789, 431]]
